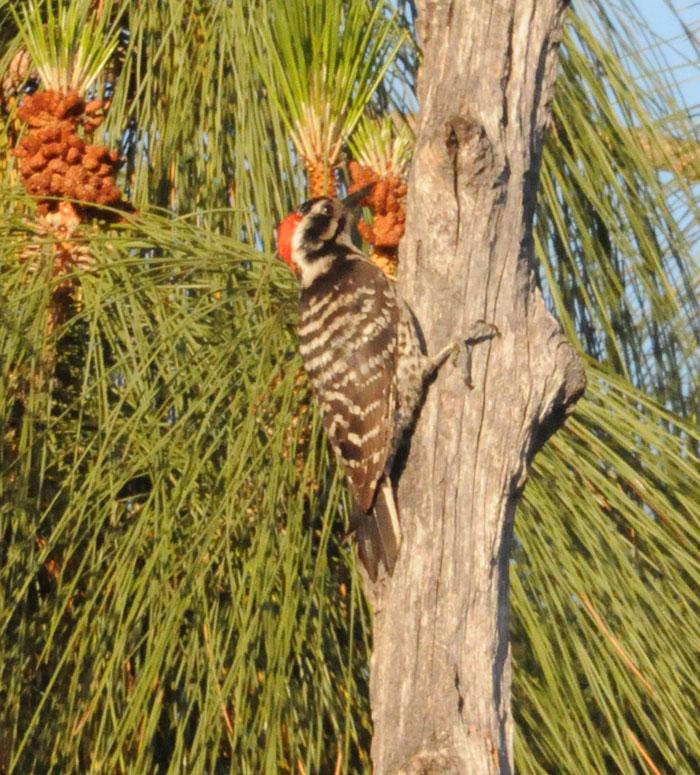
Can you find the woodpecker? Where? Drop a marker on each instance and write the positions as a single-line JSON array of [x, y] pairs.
[[361, 351]]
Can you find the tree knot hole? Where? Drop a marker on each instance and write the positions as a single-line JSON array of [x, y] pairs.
[[427, 762], [469, 149]]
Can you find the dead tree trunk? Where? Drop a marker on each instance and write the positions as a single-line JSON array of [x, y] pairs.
[[440, 680]]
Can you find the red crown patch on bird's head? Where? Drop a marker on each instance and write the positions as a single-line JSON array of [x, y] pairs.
[[285, 234]]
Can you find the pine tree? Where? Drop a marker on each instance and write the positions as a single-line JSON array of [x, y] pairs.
[[177, 592]]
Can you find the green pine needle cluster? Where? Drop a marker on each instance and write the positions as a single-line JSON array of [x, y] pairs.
[[70, 42]]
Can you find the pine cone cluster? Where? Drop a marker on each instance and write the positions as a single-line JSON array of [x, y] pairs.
[[322, 180], [54, 229], [387, 204], [46, 107], [16, 75], [56, 162]]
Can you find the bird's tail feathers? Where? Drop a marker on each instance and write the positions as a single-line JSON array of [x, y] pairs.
[[379, 532]]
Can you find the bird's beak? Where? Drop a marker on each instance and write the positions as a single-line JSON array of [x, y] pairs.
[[353, 200]]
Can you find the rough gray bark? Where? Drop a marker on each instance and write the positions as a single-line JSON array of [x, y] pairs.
[[440, 682]]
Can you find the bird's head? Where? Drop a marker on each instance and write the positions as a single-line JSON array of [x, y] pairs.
[[315, 234]]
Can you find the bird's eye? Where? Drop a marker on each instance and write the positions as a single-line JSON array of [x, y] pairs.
[[327, 208]]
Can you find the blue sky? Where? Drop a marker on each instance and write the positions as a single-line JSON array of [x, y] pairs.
[[657, 12], [677, 50]]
